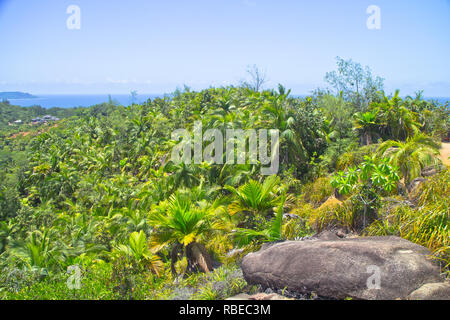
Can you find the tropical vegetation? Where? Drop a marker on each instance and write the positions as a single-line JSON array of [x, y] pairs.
[[98, 194]]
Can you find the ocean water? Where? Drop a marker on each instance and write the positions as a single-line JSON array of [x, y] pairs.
[[70, 101]]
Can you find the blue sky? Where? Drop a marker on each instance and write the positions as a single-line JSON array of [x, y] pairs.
[[155, 46]]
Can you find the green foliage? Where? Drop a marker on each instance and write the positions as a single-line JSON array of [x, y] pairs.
[[338, 113], [183, 221], [99, 190], [10, 113], [317, 192], [380, 175], [354, 156], [399, 121], [355, 82], [139, 252], [343, 215], [428, 224], [367, 126], [411, 156], [435, 190], [255, 197], [273, 232], [365, 184], [37, 251], [296, 228], [96, 284]]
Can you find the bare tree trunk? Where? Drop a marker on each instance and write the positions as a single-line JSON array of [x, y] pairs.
[[198, 258], [174, 257], [368, 139]]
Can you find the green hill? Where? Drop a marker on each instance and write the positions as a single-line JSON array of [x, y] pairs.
[[102, 194]]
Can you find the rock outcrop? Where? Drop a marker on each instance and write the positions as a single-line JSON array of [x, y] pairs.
[[432, 291], [360, 268]]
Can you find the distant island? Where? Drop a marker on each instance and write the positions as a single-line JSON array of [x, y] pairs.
[[16, 95]]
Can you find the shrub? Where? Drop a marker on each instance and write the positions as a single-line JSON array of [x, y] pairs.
[[435, 190], [333, 213], [354, 158], [317, 192], [428, 226], [296, 228], [95, 284]]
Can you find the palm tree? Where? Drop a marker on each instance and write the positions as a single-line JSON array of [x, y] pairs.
[[38, 251], [254, 197], [272, 233], [367, 126], [184, 224], [399, 120], [182, 174], [282, 119], [6, 230], [234, 175], [412, 155], [143, 255]]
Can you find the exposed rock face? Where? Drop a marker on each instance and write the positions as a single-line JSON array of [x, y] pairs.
[[432, 170], [341, 268], [333, 233], [432, 291]]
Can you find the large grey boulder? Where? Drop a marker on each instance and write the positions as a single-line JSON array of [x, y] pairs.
[[360, 268], [432, 291]]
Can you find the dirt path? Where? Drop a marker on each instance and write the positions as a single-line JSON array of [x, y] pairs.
[[26, 133], [445, 153], [23, 134]]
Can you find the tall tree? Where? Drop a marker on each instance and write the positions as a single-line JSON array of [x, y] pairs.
[[258, 78], [183, 224], [367, 126], [356, 82], [412, 155]]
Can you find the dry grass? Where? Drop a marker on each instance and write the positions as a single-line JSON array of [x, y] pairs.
[[331, 202]]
